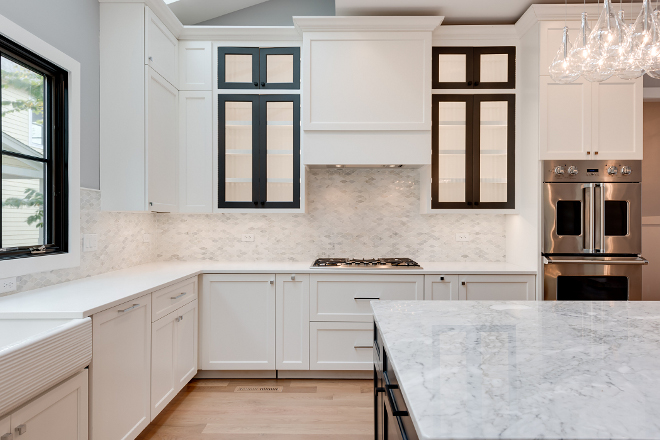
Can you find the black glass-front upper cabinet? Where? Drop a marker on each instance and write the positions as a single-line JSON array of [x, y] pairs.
[[259, 151], [258, 68], [473, 152], [474, 67]]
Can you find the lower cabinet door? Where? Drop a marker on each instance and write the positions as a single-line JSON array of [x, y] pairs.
[[238, 322], [120, 372], [60, 414], [292, 321], [341, 346], [497, 287], [173, 355], [441, 287]]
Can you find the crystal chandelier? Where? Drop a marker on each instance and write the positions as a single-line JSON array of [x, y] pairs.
[[611, 48]]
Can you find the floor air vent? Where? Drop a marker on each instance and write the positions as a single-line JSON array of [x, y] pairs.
[[244, 389]]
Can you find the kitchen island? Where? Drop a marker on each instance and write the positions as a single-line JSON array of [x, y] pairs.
[[518, 370]]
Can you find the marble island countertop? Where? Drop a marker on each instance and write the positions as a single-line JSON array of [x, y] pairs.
[[526, 370]]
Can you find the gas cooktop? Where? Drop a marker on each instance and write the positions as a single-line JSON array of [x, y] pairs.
[[356, 263]]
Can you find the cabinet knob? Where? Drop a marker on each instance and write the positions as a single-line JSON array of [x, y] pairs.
[[151, 58], [293, 277], [588, 152], [272, 282], [263, 203], [462, 283], [263, 84], [476, 203], [20, 429], [442, 278], [596, 153], [476, 83], [469, 83], [469, 203], [256, 84]]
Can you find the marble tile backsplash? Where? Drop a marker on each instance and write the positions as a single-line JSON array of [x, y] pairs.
[[120, 243], [350, 213]]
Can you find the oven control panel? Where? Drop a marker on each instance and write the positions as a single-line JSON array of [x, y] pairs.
[[592, 171]]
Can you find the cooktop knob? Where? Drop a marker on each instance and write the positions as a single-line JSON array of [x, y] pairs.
[[612, 171], [559, 170], [573, 170], [626, 170]]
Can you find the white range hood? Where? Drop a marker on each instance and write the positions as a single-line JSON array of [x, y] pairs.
[[366, 90]]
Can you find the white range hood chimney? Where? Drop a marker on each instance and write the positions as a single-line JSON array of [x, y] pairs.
[[366, 90]]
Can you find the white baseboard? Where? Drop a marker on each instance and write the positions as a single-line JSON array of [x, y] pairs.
[[282, 374], [236, 374]]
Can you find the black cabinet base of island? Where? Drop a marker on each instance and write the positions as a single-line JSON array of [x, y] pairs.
[[391, 418]]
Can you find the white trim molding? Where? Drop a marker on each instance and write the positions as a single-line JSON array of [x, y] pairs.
[[241, 33], [367, 24], [162, 11], [23, 266]]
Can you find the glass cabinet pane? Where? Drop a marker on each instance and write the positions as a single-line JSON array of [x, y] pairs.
[[279, 68], [279, 151], [238, 151], [493, 148], [238, 68], [494, 67], [452, 68], [451, 147]]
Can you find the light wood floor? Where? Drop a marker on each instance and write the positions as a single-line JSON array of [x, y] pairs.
[[209, 409]]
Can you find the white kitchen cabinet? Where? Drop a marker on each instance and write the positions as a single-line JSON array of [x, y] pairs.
[[195, 65], [441, 287], [165, 301], [292, 321], [173, 355], [340, 297], [162, 145], [565, 113], [161, 49], [341, 346], [139, 110], [59, 414], [195, 152], [120, 372], [617, 120], [238, 322], [497, 287]]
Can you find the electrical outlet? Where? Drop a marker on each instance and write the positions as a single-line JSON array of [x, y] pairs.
[[7, 285], [146, 238], [462, 236], [248, 237], [90, 242]]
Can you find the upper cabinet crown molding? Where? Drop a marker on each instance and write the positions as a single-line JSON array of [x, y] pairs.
[[241, 33], [162, 11], [367, 24], [474, 35]]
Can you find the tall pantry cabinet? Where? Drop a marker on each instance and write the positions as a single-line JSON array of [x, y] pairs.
[[139, 107]]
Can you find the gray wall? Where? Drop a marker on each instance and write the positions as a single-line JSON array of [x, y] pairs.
[[273, 13], [71, 26]]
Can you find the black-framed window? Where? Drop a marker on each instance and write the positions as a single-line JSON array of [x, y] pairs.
[[473, 151], [34, 217], [259, 151], [258, 68], [474, 67]]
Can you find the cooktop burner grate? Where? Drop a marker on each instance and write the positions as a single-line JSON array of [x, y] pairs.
[[364, 263]]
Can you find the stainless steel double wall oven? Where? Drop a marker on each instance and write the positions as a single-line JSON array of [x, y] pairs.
[[592, 237]]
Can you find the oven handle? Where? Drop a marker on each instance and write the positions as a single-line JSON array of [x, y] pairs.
[[601, 262], [588, 220]]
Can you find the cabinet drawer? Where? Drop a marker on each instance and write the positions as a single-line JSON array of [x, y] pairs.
[[341, 346], [347, 297], [167, 300]]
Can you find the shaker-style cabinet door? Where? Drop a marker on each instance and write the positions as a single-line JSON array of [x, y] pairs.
[[238, 68], [497, 287], [617, 119], [292, 320], [565, 115], [238, 322], [441, 287]]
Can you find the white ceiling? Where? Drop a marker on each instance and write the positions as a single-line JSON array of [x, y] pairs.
[[196, 11], [454, 11]]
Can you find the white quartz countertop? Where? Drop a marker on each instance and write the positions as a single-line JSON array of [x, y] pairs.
[[526, 370], [84, 297]]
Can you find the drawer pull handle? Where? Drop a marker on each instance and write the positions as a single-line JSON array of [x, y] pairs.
[[179, 318], [367, 299], [363, 346], [21, 429], [134, 306], [179, 295]]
